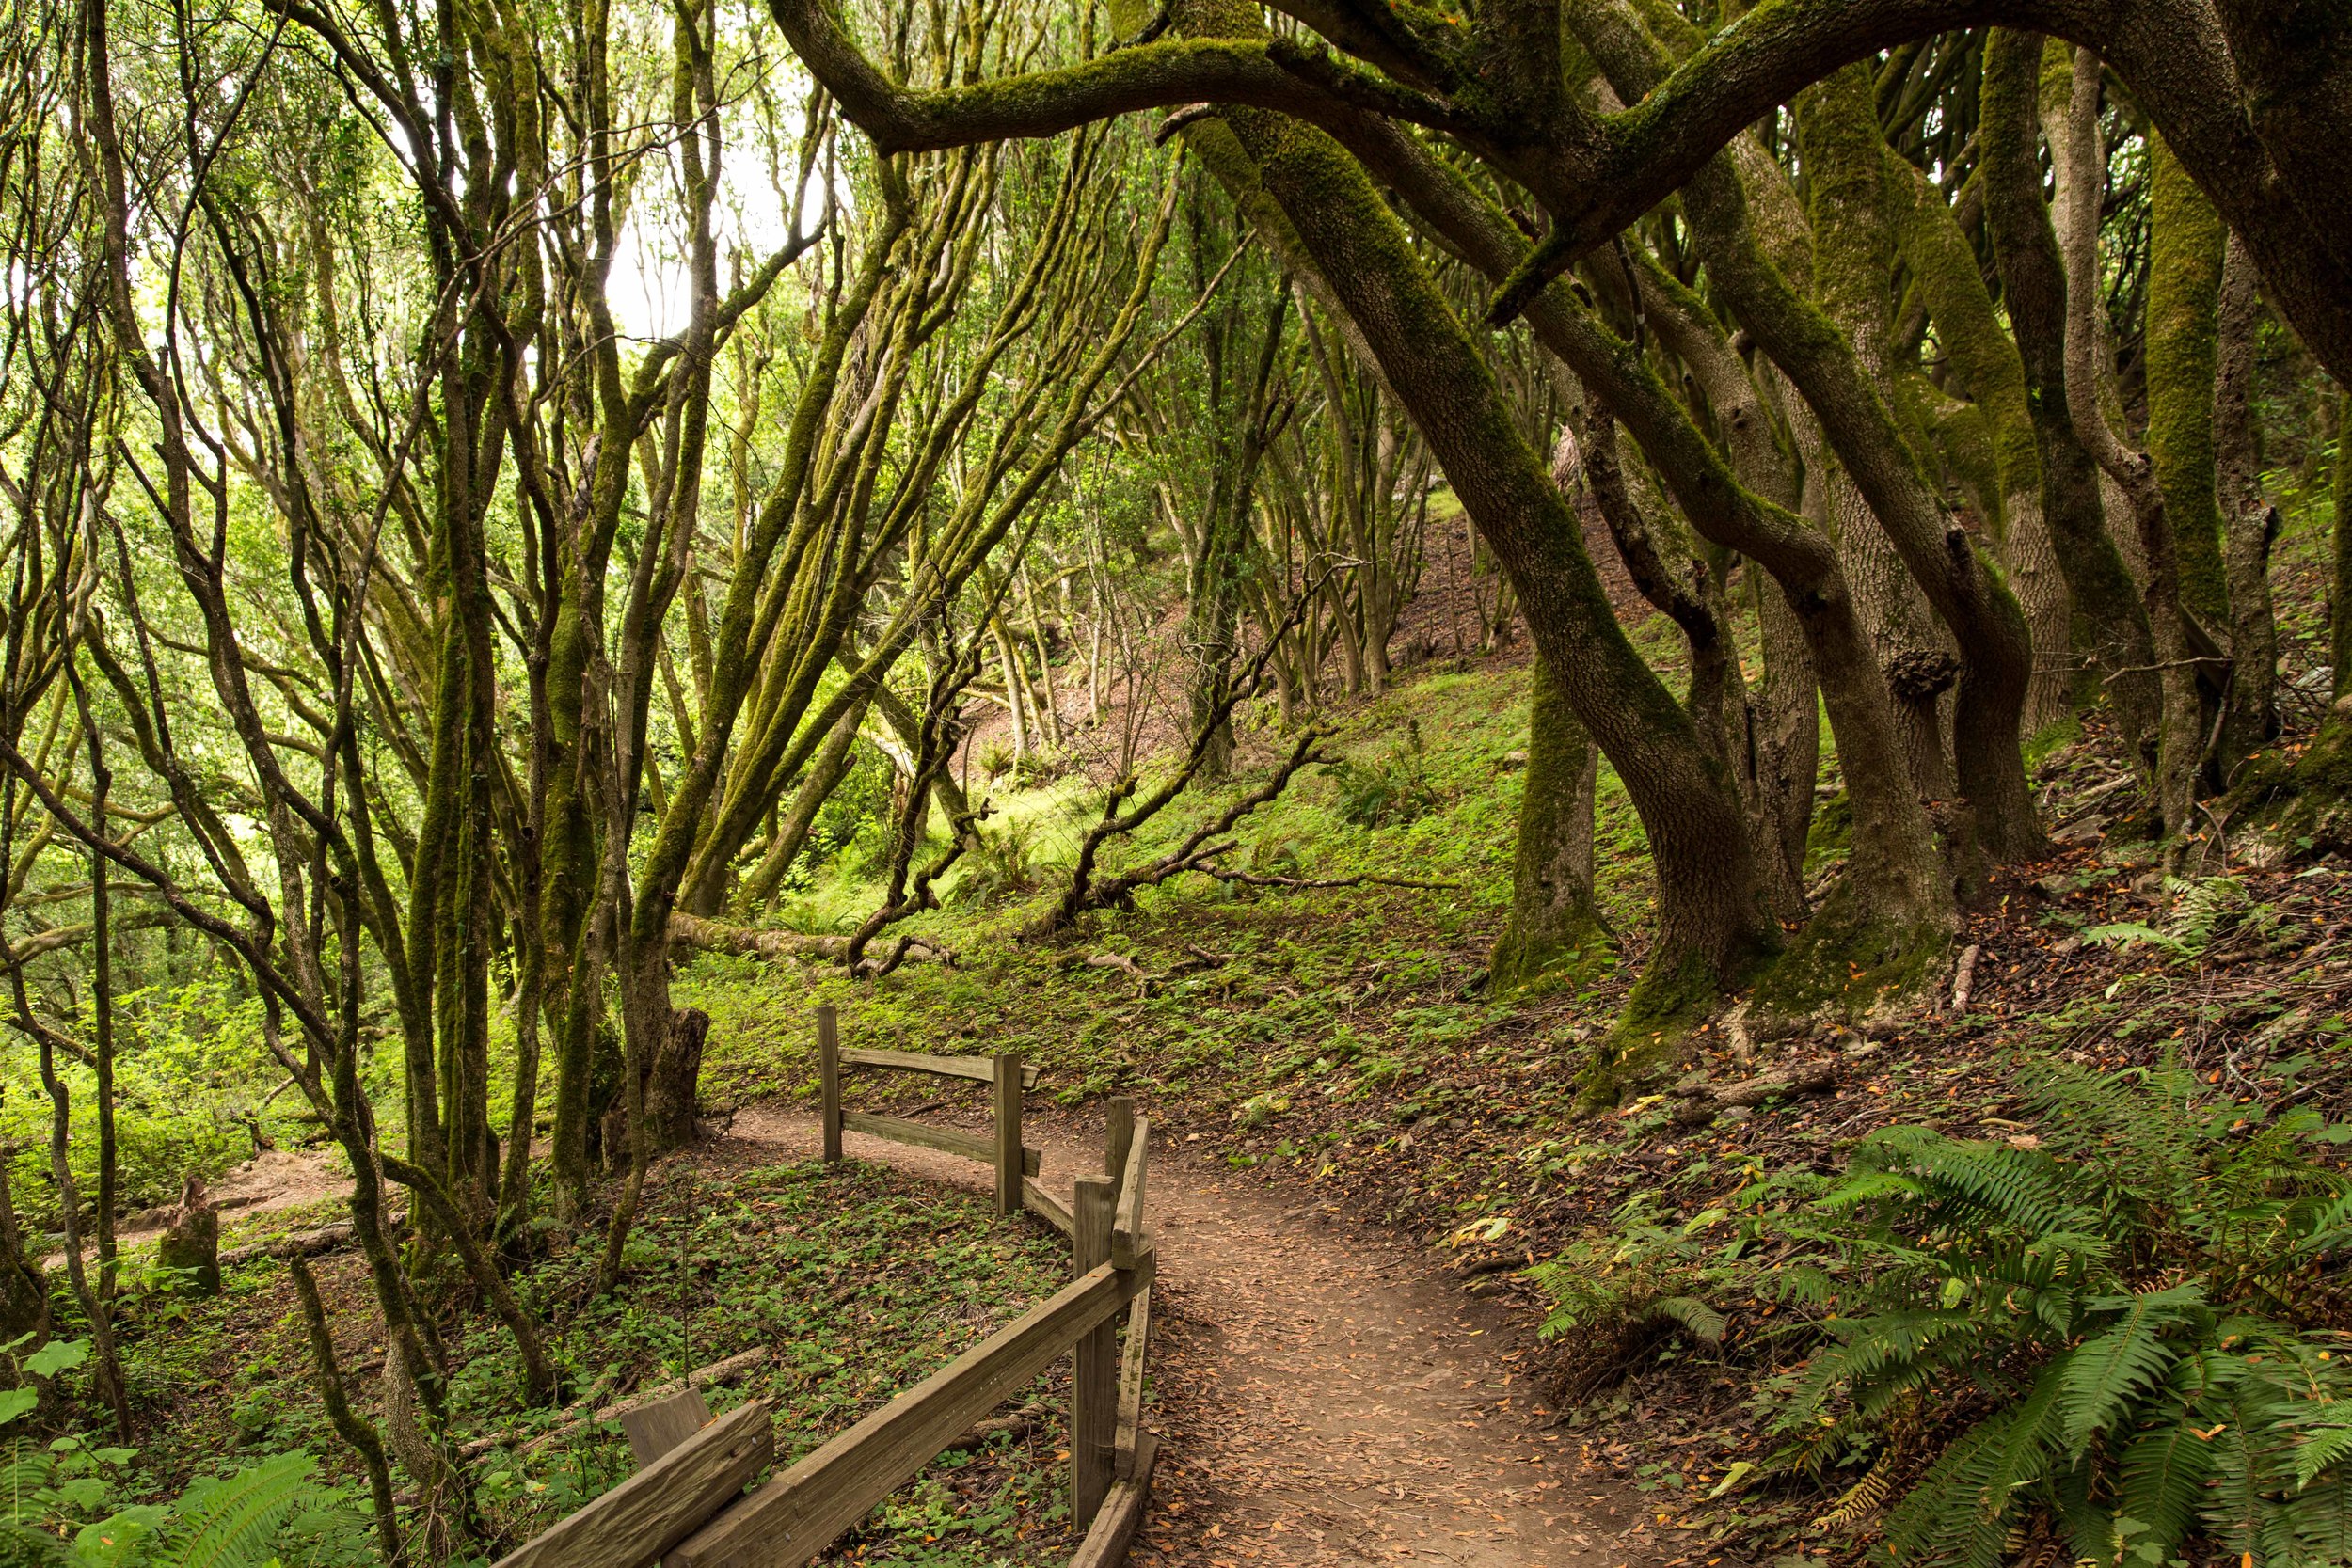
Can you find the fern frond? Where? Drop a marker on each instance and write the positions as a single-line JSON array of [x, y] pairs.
[[1961, 1511], [1856, 1501], [229, 1523], [2105, 1374], [1698, 1320], [2321, 1449], [2163, 1482]]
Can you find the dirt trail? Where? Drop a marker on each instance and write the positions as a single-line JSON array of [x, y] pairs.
[[1322, 1397]]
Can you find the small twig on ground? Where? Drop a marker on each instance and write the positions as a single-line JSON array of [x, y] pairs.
[[1965, 978]]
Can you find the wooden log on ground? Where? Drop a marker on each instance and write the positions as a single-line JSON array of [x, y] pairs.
[[307, 1243], [980, 1070], [1012, 1423], [1703, 1103], [800, 1513], [1114, 1532], [1093, 1366], [662, 1504], [947, 1140], [716, 936]]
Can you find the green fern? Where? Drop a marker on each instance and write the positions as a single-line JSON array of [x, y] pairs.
[[1700, 1320], [229, 1523], [2106, 1377], [2139, 1298]]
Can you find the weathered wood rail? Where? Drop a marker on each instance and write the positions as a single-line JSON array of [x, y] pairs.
[[685, 1506]]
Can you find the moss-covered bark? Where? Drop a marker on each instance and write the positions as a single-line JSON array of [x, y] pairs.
[[2250, 523], [1982, 355], [2340, 625], [1967, 591], [1555, 933], [2184, 253], [2105, 599]]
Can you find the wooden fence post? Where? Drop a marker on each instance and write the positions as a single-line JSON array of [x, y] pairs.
[[829, 1067], [1009, 1134], [1118, 1136], [1094, 1368]]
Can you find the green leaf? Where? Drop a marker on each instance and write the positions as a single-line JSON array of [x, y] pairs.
[[57, 1356], [1732, 1478], [114, 1540], [15, 1402]]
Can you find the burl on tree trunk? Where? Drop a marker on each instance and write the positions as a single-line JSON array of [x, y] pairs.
[[192, 1239], [670, 1081]]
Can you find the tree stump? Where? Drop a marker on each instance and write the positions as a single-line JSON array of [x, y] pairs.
[[192, 1239]]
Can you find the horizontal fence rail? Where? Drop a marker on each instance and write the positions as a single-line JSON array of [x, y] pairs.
[[685, 1506]]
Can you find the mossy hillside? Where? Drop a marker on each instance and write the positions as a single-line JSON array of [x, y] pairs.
[[1285, 969]]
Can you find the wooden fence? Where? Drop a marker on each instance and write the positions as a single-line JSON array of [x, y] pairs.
[[685, 1506]]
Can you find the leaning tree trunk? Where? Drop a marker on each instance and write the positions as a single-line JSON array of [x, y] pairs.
[[1712, 924]]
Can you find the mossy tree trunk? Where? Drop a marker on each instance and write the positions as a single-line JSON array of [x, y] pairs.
[[1712, 923], [1555, 929], [2185, 245], [1948, 284], [1852, 201], [1966, 591], [2250, 523], [2079, 158], [2105, 600], [1245, 415], [2339, 620], [1895, 867]]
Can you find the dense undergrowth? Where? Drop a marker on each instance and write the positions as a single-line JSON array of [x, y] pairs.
[[858, 1281]]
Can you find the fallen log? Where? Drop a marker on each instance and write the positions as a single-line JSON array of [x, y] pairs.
[[306, 1243], [1013, 1423], [716, 936], [1703, 1103]]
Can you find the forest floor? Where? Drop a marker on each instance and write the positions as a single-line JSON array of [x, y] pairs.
[[1322, 1396]]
